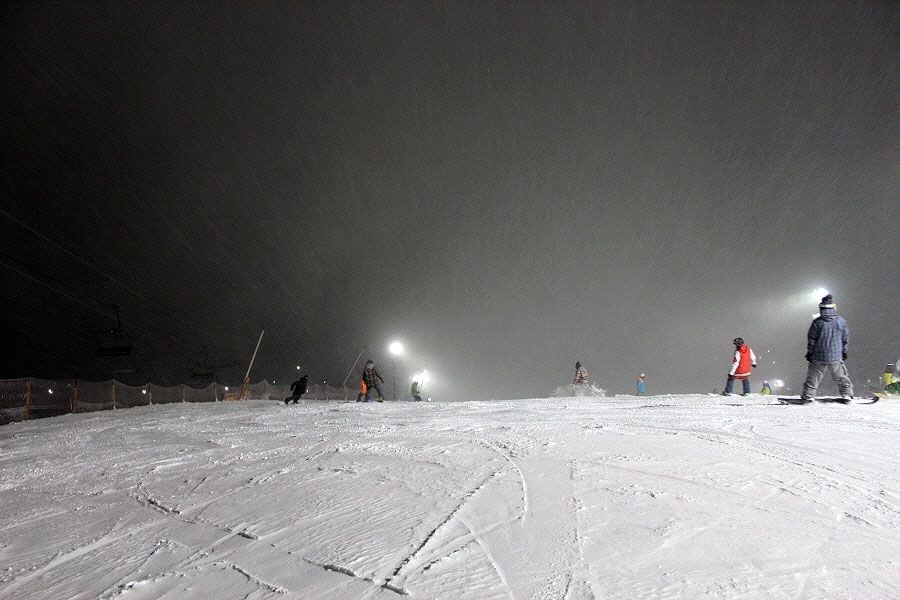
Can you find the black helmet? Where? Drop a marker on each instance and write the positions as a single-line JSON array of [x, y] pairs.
[[577, 365], [827, 302], [738, 341]]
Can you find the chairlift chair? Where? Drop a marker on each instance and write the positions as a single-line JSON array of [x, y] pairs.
[[114, 342]]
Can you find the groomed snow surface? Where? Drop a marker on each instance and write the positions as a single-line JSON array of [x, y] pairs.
[[626, 497]]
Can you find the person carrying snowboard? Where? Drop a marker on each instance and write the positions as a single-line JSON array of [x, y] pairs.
[[744, 361], [298, 388], [371, 377], [826, 351]]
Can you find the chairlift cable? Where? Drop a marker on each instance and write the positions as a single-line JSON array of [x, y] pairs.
[[57, 290], [80, 302], [106, 275]]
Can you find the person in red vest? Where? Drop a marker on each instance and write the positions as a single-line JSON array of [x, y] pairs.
[[744, 361]]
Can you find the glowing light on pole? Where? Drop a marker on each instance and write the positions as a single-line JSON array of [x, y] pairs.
[[396, 349], [422, 377]]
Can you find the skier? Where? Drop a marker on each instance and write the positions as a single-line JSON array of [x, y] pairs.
[[298, 388], [416, 390], [826, 351], [581, 378], [371, 377], [766, 389], [362, 390], [744, 361], [641, 385]]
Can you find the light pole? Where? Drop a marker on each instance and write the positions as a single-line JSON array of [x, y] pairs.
[[396, 349]]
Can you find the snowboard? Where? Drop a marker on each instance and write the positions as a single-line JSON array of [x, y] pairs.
[[826, 400]]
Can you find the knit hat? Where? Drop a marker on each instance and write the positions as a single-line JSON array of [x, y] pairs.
[[370, 364], [738, 341], [827, 302], [577, 365]]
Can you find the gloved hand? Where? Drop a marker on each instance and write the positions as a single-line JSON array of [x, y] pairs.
[[808, 357], [752, 366], [844, 356]]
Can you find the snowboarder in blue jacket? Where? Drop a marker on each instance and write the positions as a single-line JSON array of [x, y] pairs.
[[640, 385], [826, 351]]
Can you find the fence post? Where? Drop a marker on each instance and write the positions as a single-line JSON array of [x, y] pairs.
[[183, 392], [28, 400], [114, 393], [74, 407]]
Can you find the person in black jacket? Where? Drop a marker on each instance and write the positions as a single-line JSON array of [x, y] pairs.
[[298, 388], [371, 376]]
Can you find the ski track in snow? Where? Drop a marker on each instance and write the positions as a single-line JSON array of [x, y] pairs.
[[411, 560], [522, 480], [572, 499]]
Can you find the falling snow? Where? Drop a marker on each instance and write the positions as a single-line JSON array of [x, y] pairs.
[[506, 188]]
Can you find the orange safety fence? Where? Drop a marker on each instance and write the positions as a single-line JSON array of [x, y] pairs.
[[29, 398]]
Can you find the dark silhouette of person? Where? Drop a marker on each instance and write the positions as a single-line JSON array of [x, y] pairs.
[[298, 388]]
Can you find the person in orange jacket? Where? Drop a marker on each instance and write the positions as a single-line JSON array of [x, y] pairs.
[[744, 361]]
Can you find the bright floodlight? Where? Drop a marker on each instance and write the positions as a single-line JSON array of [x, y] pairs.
[[819, 293], [396, 348], [422, 377]]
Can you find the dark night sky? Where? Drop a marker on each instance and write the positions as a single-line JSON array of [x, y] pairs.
[[505, 187]]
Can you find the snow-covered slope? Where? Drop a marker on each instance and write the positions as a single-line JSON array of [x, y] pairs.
[[660, 497]]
